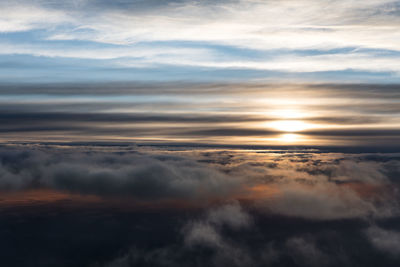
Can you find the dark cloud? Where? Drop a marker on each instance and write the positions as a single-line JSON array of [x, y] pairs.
[[305, 252], [320, 186], [207, 230], [360, 91], [385, 240], [118, 175], [69, 118], [243, 207]]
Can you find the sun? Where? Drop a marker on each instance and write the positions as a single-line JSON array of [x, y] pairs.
[[290, 125], [288, 138]]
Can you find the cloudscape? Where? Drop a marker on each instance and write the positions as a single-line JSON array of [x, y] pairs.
[[199, 133]]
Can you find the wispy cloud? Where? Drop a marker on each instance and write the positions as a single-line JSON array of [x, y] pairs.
[[301, 36]]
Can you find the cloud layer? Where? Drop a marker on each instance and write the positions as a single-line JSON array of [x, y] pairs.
[[179, 205], [213, 113], [311, 186], [191, 36]]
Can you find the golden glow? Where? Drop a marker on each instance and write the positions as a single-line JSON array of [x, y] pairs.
[[288, 114], [289, 138], [290, 125]]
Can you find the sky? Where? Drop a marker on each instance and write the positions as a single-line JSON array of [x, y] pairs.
[[292, 73], [199, 133], [97, 41], [256, 114]]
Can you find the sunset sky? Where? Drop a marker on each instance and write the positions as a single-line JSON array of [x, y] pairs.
[[212, 113], [250, 72], [240, 133]]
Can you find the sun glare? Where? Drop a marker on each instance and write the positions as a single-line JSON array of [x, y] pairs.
[[288, 138], [290, 125], [288, 113]]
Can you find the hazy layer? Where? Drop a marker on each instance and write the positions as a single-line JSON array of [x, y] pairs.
[[256, 114]]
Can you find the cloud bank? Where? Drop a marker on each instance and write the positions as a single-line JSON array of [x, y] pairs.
[[203, 206], [297, 186]]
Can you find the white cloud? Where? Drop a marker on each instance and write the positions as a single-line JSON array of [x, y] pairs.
[[145, 55], [254, 24], [24, 17], [262, 25]]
